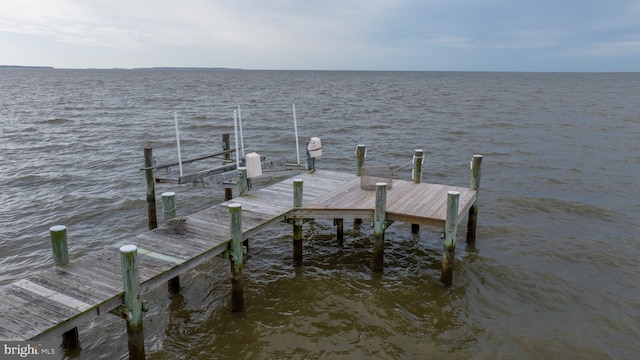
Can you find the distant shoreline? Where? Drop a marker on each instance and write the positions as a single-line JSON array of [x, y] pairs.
[[24, 67], [142, 68]]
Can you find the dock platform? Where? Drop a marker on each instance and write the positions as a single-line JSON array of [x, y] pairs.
[[45, 305]]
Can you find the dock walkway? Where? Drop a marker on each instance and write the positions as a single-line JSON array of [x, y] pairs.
[[47, 304]]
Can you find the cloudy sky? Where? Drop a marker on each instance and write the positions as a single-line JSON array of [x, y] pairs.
[[467, 35]]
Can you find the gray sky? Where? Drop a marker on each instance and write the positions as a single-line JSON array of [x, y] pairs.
[[485, 35]]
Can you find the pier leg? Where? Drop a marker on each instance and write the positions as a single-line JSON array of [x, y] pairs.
[[476, 164], [226, 145], [243, 185], [58, 233], [151, 188], [70, 339], [450, 231], [237, 258], [228, 194], [59, 245], [361, 152], [339, 223], [379, 222], [297, 223], [418, 159], [169, 211], [132, 301], [169, 205]]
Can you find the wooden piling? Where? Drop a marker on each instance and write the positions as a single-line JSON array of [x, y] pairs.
[[450, 231], [360, 155], [169, 205], [151, 188], [379, 224], [476, 164], [132, 312], [242, 185], [58, 233], [59, 245], [236, 256], [339, 223], [226, 145], [169, 212], [418, 157], [297, 223], [361, 151]]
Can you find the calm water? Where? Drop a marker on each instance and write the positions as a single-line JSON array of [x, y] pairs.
[[553, 275]]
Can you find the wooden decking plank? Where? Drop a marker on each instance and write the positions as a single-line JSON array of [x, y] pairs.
[[178, 246], [32, 313], [14, 324], [72, 287], [62, 310], [102, 281], [7, 334], [212, 226], [105, 261], [74, 302]]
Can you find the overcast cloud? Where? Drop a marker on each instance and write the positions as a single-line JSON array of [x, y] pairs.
[[494, 35]]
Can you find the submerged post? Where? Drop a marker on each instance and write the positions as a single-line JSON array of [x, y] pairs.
[[379, 223], [450, 231], [472, 223], [60, 249], [151, 188], [339, 223], [297, 223], [169, 212], [236, 257], [418, 159], [132, 301]]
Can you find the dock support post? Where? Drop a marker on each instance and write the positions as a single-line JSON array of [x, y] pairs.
[[132, 301], [236, 257], [58, 233], [226, 145], [360, 155], [151, 188], [297, 223], [339, 223], [450, 231], [243, 185], [379, 223], [169, 212], [418, 159], [472, 223], [169, 205], [361, 151], [59, 245]]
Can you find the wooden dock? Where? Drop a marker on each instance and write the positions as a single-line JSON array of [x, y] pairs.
[[47, 304]]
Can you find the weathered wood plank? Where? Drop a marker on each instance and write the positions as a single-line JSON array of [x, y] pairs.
[[42, 286]]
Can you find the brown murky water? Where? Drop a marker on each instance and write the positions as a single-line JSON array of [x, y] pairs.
[[553, 274]]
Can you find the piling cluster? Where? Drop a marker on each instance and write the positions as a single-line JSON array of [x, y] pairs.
[[133, 307]]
